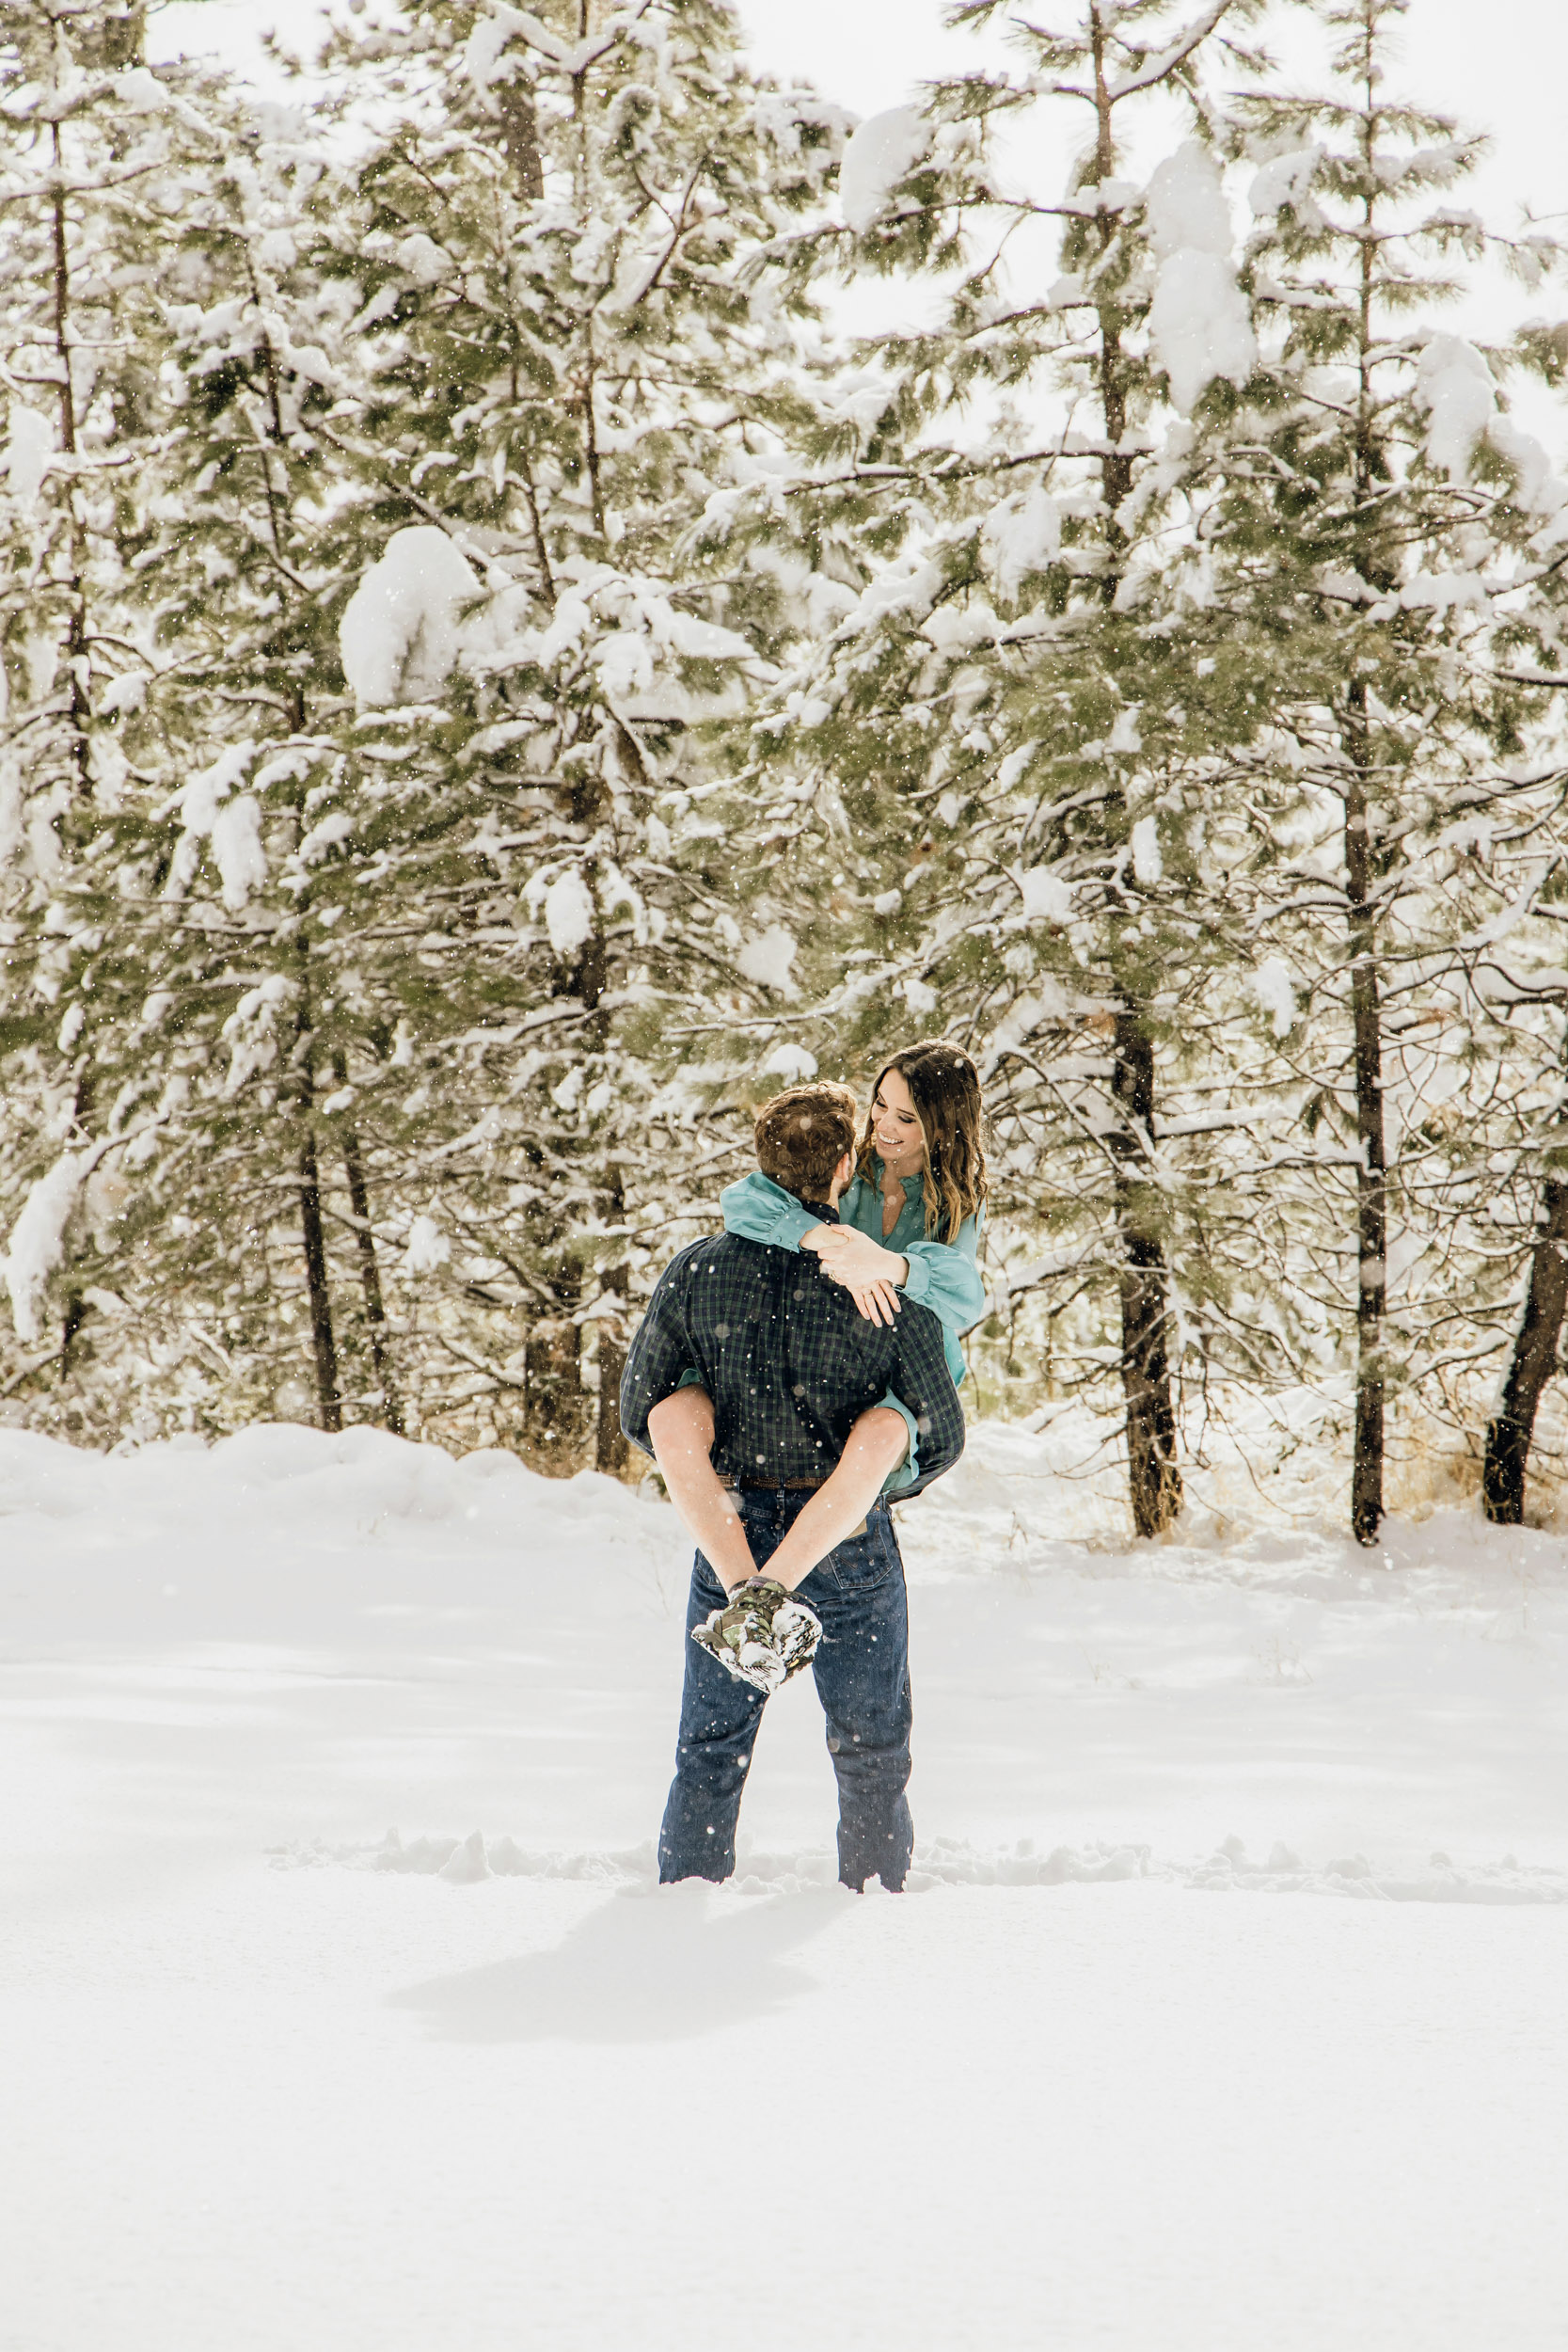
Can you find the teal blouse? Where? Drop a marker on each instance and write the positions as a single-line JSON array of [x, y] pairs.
[[943, 1276]]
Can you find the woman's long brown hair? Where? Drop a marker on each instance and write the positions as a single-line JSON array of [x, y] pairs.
[[945, 1087]]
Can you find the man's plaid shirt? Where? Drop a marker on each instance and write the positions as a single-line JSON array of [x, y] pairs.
[[788, 1360]]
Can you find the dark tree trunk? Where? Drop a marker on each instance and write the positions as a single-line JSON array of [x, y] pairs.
[[62, 308], [370, 1276], [1155, 1480], [369, 1271], [1507, 1434], [610, 1451], [323, 1346], [1371, 1179], [75, 1315], [520, 131], [556, 1407], [322, 1341], [66, 341], [610, 1445], [1153, 1477]]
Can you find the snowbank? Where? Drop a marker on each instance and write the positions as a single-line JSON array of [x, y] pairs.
[[1255, 1705], [241, 2017], [466, 1860], [281, 1479]]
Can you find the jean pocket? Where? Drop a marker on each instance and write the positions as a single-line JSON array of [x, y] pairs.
[[861, 1563], [708, 1591]]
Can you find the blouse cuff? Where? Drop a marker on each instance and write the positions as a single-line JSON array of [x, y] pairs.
[[916, 1285], [908, 1469]]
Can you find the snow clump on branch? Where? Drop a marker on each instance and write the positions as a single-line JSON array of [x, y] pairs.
[[1198, 323], [427, 1248], [234, 830], [880, 152], [792, 1063], [38, 1237], [1274, 990], [1453, 384], [28, 450], [1046, 896], [1148, 866], [767, 960], [1022, 534], [401, 631], [250, 1031], [1285, 180], [1456, 387], [569, 916]]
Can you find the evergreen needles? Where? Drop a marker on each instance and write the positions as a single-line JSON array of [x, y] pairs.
[[496, 676]]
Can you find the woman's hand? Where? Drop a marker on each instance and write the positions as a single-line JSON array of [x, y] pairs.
[[854, 1259], [869, 1272]]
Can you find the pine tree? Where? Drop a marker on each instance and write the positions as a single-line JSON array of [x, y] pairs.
[[491, 686], [246, 696], [408, 972], [99, 157], [566, 358], [1001, 741], [1392, 538]]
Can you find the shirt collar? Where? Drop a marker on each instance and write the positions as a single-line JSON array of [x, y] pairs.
[[913, 1185]]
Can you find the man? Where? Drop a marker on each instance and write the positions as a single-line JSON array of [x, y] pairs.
[[802, 1412]]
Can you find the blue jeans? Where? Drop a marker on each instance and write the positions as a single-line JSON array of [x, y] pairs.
[[863, 1678]]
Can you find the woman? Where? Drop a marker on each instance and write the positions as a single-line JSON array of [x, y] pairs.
[[910, 1221]]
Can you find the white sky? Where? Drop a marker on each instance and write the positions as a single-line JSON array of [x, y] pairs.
[[1500, 66]]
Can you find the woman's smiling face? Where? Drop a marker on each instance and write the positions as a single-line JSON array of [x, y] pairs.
[[895, 1127]]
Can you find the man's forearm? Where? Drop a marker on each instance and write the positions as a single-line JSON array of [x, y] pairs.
[[877, 1443], [681, 1431]]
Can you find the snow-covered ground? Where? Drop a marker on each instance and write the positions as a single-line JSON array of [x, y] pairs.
[[1229, 2007]]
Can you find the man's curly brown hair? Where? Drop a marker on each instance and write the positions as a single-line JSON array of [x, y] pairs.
[[802, 1135]]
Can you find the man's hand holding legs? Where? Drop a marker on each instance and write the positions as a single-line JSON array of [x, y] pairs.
[[761, 1636]]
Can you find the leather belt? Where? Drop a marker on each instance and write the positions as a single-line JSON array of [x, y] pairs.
[[771, 1485]]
